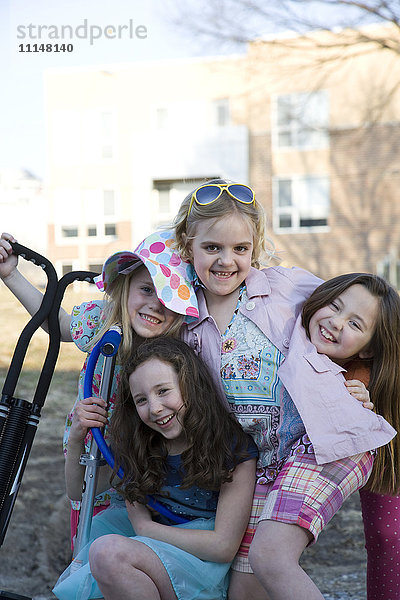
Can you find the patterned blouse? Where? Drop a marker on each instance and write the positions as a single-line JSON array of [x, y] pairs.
[[249, 364], [87, 318]]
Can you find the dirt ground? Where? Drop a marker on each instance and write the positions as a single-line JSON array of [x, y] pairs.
[[36, 547]]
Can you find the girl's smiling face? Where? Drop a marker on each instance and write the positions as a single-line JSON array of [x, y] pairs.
[[221, 252], [344, 329], [149, 318], [156, 394]]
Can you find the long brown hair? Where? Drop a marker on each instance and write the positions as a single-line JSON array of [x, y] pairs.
[[384, 385], [215, 440]]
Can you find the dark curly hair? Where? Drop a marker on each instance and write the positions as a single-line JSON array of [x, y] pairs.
[[215, 440]]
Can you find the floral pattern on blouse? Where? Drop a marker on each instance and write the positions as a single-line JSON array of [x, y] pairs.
[[86, 320], [249, 364]]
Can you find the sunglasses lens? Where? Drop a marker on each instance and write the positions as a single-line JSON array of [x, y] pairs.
[[207, 194], [242, 193]]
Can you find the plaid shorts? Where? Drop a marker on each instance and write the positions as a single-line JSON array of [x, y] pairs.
[[304, 494]]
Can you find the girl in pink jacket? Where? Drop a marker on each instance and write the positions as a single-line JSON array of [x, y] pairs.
[[380, 498], [315, 440]]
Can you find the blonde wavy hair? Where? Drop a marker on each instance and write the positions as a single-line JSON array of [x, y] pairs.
[[184, 224], [115, 312]]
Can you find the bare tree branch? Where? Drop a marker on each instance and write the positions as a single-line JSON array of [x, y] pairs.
[[238, 22]]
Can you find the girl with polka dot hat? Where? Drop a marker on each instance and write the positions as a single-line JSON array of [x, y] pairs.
[[147, 292], [170, 274], [315, 440]]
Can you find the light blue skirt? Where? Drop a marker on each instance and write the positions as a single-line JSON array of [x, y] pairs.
[[191, 577]]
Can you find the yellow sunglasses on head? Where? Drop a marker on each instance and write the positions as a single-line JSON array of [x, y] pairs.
[[210, 192]]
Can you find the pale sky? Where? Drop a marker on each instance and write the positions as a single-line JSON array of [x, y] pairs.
[[21, 82], [21, 97]]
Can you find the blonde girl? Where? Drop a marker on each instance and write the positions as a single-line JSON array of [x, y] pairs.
[[245, 333], [147, 292]]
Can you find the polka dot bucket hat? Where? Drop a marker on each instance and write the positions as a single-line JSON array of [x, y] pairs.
[[171, 275]]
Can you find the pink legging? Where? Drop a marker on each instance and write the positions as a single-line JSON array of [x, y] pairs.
[[75, 520], [381, 517]]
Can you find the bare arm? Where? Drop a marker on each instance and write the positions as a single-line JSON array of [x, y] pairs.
[[29, 296], [220, 544], [90, 412]]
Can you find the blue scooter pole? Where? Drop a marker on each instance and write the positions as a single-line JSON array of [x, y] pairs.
[[101, 443], [92, 460]]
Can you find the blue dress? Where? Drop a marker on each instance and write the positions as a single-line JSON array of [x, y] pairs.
[[191, 577]]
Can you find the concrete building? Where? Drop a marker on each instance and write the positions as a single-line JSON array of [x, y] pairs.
[[324, 137], [312, 128], [126, 143]]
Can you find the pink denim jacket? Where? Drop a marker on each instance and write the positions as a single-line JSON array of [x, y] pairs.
[[337, 424]]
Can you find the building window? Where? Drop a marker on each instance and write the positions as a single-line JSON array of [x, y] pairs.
[[92, 231], [95, 267], [164, 198], [301, 203], [221, 112], [301, 120], [110, 229], [69, 232], [167, 198], [100, 216], [66, 268], [109, 203]]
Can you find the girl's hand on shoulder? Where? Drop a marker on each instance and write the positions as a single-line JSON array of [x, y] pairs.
[[8, 260], [140, 517], [88, 413], [359, 391]]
